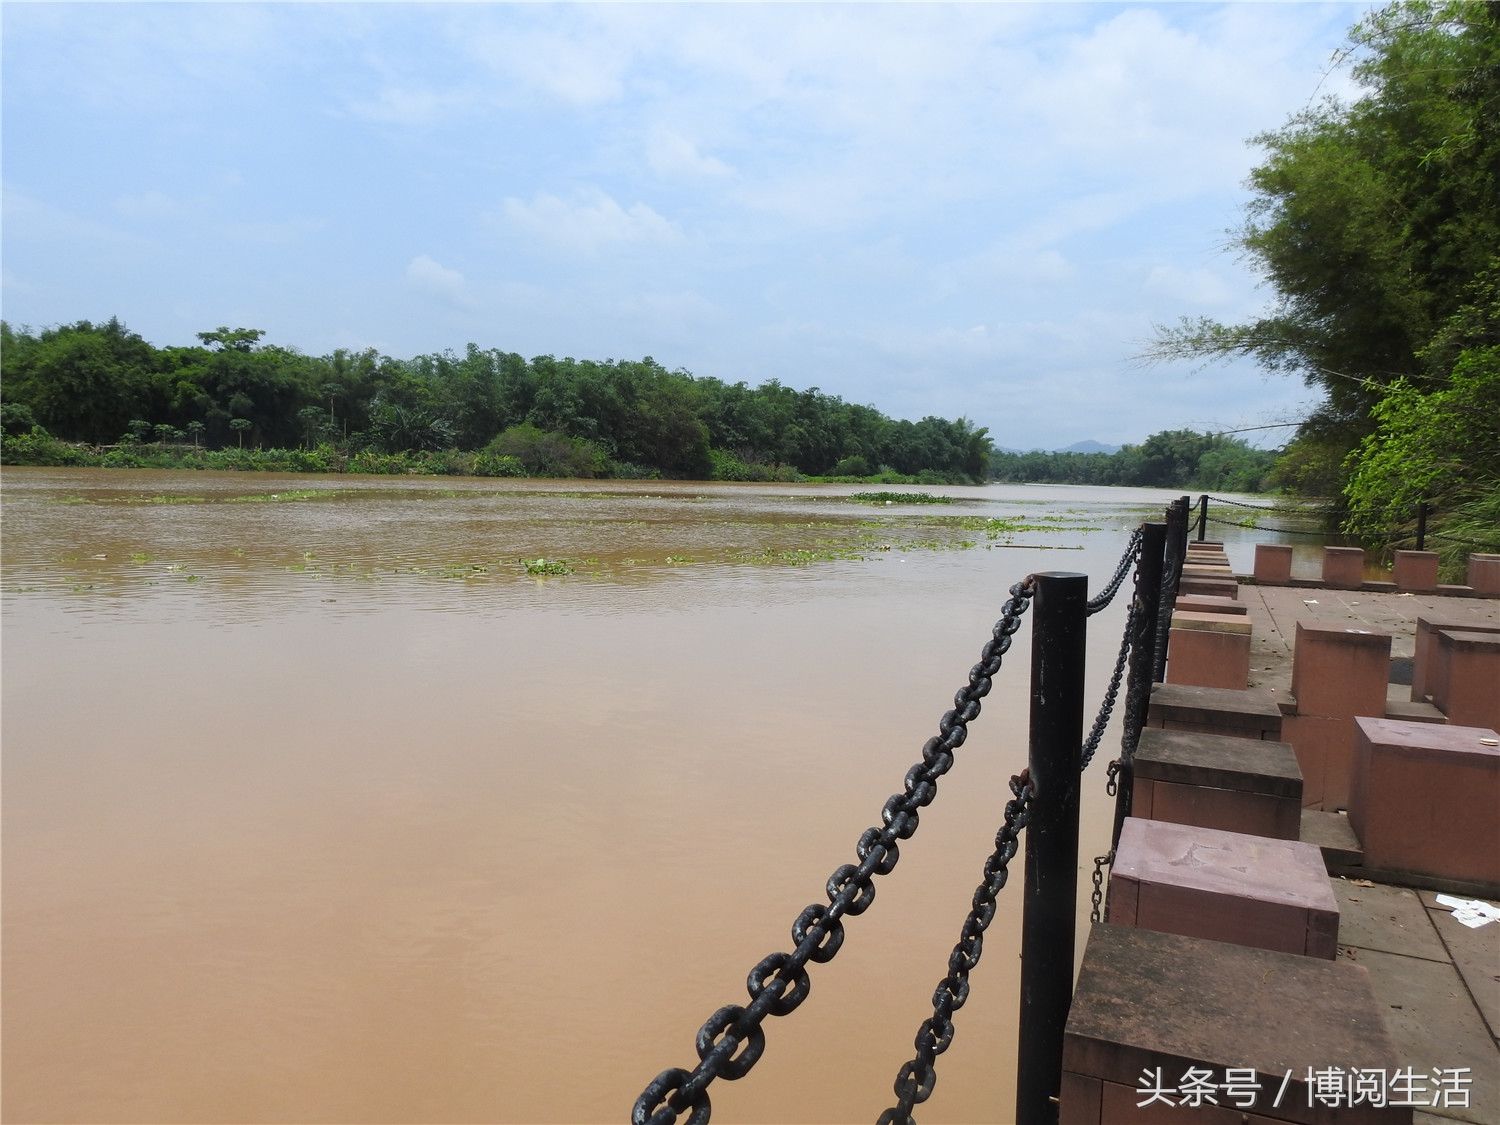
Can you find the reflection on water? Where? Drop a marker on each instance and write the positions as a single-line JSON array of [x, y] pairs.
[[320, 808]]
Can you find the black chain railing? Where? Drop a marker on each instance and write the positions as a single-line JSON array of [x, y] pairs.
[[917, 1078], [732, 1040], [1286, 509], [1127, 560], [1107, 707], [1265, 527]]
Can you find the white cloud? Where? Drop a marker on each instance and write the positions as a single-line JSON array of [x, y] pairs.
[[671, 154], [588, 222], [437, 280], [408, 105]]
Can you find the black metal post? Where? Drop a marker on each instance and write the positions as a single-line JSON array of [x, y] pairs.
[[1422, 526], [1203, 517], [1174, 549], [1142, 665], [1049, 906]]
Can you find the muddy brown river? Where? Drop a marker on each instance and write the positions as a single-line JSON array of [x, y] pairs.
[[319, 807]]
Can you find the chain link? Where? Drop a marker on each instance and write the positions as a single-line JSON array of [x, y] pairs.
[[1107, 595], [1097, 898], [917, 1078], [1107, 707], [1263, 527], [732, 1040], [1305, 511]]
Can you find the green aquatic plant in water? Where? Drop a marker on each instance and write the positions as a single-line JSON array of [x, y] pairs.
[[898, 498], [996, 527], [290, 495], [546, 566]]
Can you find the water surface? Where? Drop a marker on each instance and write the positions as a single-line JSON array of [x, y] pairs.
[[319, 807]]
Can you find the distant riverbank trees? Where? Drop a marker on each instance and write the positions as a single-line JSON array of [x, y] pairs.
[[99, 393], [1170, 459]]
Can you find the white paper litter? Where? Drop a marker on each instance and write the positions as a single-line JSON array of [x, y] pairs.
[[1470, 911]]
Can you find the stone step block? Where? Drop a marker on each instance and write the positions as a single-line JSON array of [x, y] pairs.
[[1218, 781], [1273, 563], [1340, 672], [1466, 679], [1426, 800], [1149, 1006], [1223, 886], [1343, 567], [1248, 713]]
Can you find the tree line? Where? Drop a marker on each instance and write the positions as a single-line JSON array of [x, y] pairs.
[[1170, 459], [232, 401], [103, 385]]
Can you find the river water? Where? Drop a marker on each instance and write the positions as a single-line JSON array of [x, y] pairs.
[[319, 807]]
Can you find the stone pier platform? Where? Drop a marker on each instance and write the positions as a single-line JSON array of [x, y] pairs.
[[1438, 980]]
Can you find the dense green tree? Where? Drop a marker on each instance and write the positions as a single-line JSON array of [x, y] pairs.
[[1376, 223]]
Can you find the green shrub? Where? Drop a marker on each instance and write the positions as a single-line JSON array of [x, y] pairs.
[[546, 453]]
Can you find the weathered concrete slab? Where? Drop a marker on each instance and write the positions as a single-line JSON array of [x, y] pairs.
[[1147, 999], [1203, 603], [1475, 954], [1243, 714], [1223, 886], [1219, 761], [1390, 919], [1433, 1024]]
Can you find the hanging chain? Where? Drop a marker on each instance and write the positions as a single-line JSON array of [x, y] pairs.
[[1107, 595], [916, 1078], [732, 1040], [1097, 898], [1107, 708]]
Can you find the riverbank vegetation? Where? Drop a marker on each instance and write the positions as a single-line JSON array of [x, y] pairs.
[[1375, 221], [90, 393], [100, 395], [1171, 459]]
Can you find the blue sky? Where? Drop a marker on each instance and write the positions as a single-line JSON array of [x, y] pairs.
[[975, 210]]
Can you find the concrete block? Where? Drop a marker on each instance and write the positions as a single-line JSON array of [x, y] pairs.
[[1416, 571], [1484, 575], [1325, 754], [1343, 567], [1223, 886], [1209, 656], [1149, 1002], [1217, 781], [1240, 714], [1424, 652], [1213, 587], [1202, 603], [1273, 563], [1466, 677], [1340, 672], [1425, 799]]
